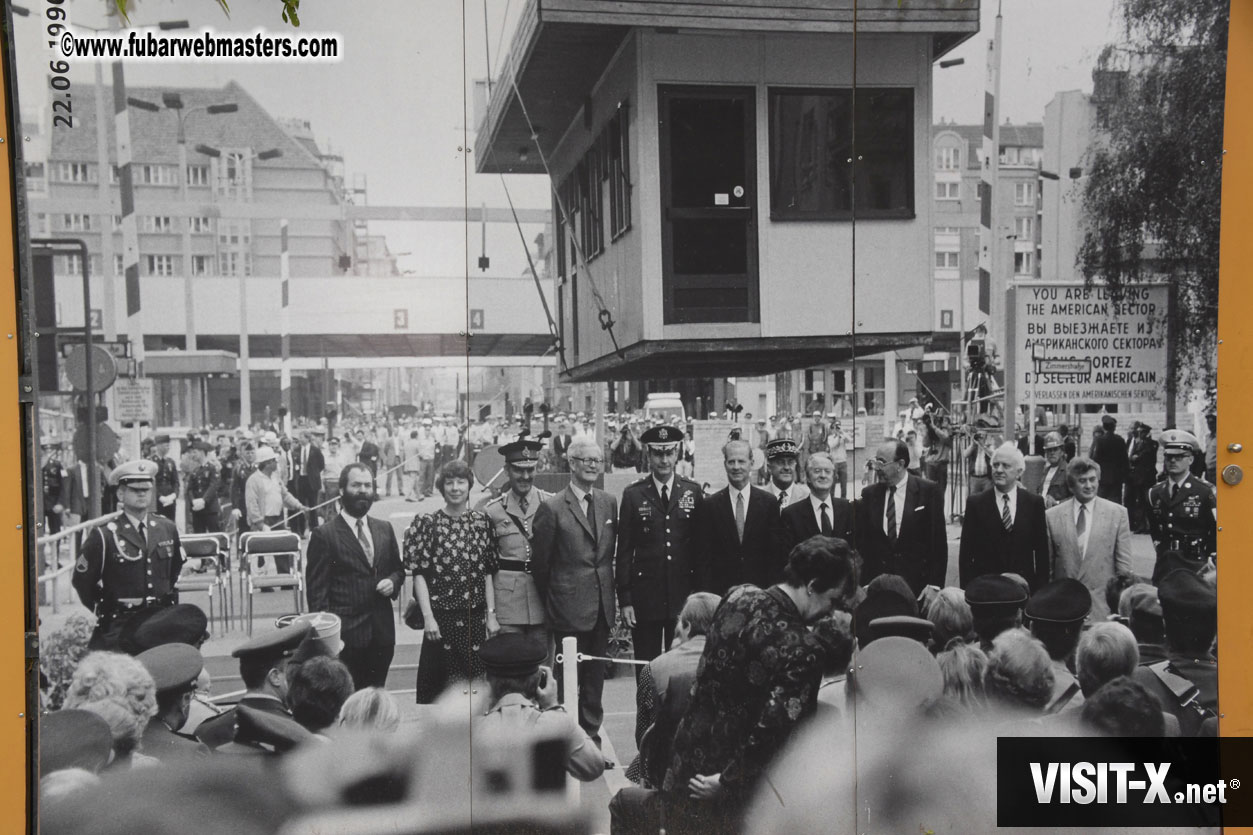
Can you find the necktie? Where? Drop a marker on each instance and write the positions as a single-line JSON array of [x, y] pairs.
[[591, 520], [739, 515], [782, 500], [365, 542], [1007, 521], [1081, 526], [523, 503], [143, 531], [665, 495], [826, 519], [1174, 490], [891, 510]]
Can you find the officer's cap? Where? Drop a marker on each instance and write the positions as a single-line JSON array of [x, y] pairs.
[[780, 447], [202, 446], [72, 738], [323, 638], [183, 623], [902, 626], [662, 436], [522, 453], [1062, 601], [174, 667], [1053, 441], [1183, 594], [512, 655], [270, 732], [1179, 440], [161, 438], [888, 595], [281, 643], [994, 594], [138, 473]]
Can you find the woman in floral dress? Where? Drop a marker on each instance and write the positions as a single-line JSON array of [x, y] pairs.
[[452, 556]]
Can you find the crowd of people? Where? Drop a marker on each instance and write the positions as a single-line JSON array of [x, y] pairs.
[[767, 616]]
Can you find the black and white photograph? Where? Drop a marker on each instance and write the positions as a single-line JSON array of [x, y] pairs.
[[618, 416]]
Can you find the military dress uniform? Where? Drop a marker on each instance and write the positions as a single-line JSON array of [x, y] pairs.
[[655, 566], [1182, 518], [519, 605], [205, 484], [166, 481], [54, 476], [124, 569]]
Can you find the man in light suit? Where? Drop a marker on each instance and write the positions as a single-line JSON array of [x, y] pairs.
[[807, 518], [1003, 528], [1089, 537], [354, 571], [574, 538], [737, 526], [900, 524]]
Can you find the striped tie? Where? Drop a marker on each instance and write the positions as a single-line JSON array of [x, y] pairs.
[[892, 514], [1006, 520]]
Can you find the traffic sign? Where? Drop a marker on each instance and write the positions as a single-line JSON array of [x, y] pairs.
[[133, 400], [103, 368], [117, 349]]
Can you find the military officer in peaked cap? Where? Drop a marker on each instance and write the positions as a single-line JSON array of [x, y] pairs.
[[175, 669], [519, 605], [166, 477], [657, 553], [130, 564], [781, 461], [1181, 510]]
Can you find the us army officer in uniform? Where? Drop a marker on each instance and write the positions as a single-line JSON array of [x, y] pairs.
[[519, 606], [130, 564], [1181, 509], [657, 552]]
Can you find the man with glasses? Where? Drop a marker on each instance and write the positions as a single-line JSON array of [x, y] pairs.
[[1181, 509], [820, 513], [574, 545], [1003, 528]]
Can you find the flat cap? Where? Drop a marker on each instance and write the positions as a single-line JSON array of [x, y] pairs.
[[1184, 594], [1062, 601], [662, 436], [281, 643], [780, 447], [512, 654], [182, 623], [72, 738], [140, 471], [173, 667], [522, 452], [1179, 440], [992, 592]]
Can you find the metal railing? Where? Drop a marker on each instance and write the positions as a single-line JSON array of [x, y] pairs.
[[52, 549]]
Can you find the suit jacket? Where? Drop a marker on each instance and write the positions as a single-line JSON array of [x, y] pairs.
[[572, 564], [1110, 451], [311, 472], [341, 581], [798, 523], [655, 566], [920, 552], [1058, 488], [369, 455], [987, 548], [727, 561], [1143, 461], [1109, 548]]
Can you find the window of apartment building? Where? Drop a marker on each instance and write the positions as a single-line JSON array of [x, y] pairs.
[[201, 224], [75, 172], [197, 175], [1024, 228], [40, 224], [948, 159], [76, 223], [156, 175], [160, 264], [618, 158], [235, 263], [947, 231], [36, 178], [946, 320], [68, 265], [811, 143], [201, 264], [872, 389], [115, 223], [1023, 263], [948, 191], [1024, 194], [156, 223], [234, 233], [119, 265], [947, 260], [115, 174]]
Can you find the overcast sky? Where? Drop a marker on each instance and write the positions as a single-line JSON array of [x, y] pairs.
[[396, 106]]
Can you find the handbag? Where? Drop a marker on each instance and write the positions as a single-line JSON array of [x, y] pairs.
[[413, 616]]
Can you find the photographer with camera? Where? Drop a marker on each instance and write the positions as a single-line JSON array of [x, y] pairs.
[[626, 453]]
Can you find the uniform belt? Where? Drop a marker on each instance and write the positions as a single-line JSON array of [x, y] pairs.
[[514, 565], [126, 604]]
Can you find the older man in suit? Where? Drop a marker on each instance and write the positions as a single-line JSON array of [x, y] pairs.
[[573, 544], [820, 513], [354, 571], [900, 527], [1003, 528], [1054, 487], [737, 526], [1089, 537]]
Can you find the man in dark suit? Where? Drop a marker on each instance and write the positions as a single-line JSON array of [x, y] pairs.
[[1004, 528], [1110, 452], [819, 513], [561, 448], [369, 453], [574, 534], [308, 464], [1142, 477], [737, 527], [355, 572], [900, 527]]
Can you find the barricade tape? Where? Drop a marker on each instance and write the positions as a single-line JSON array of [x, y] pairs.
[[581, 658]]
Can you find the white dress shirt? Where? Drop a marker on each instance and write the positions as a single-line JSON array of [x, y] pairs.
[[351, 521], [816, 503], [580, 495], [668, 485], [746, 493], [1013, 502]]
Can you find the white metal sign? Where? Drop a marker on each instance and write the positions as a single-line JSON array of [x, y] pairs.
[[134, 400]]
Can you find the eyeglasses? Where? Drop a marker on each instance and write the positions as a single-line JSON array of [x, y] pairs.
[[589, 461]]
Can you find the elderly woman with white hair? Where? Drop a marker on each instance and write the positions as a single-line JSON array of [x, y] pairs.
[[120, 690]]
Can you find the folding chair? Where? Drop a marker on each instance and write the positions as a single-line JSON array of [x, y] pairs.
[[270, 544], [204, 548]]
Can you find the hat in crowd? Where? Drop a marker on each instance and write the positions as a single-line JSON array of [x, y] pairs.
[[161, 438], [994, 594], [427, 422], [662, 436], [269, 438], [326, 633], [987, 422], [141, 471], [522, 453], [897, 674], [1108, 421], [182, 623], [72, 738], [887, 595], [1179, 440], [264, 455], [281, 643], [1183, 594], [1053, 441], [173, 667], [817, 413], [902, 626], [780, 447], [259, 732], [512, 655], [1062, 601], [1138, 601]]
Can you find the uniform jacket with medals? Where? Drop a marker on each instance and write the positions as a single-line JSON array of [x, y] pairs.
[[655, 568], [518, 601], [117, 563], [166, 479], [1184, 525], [205, 484]]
